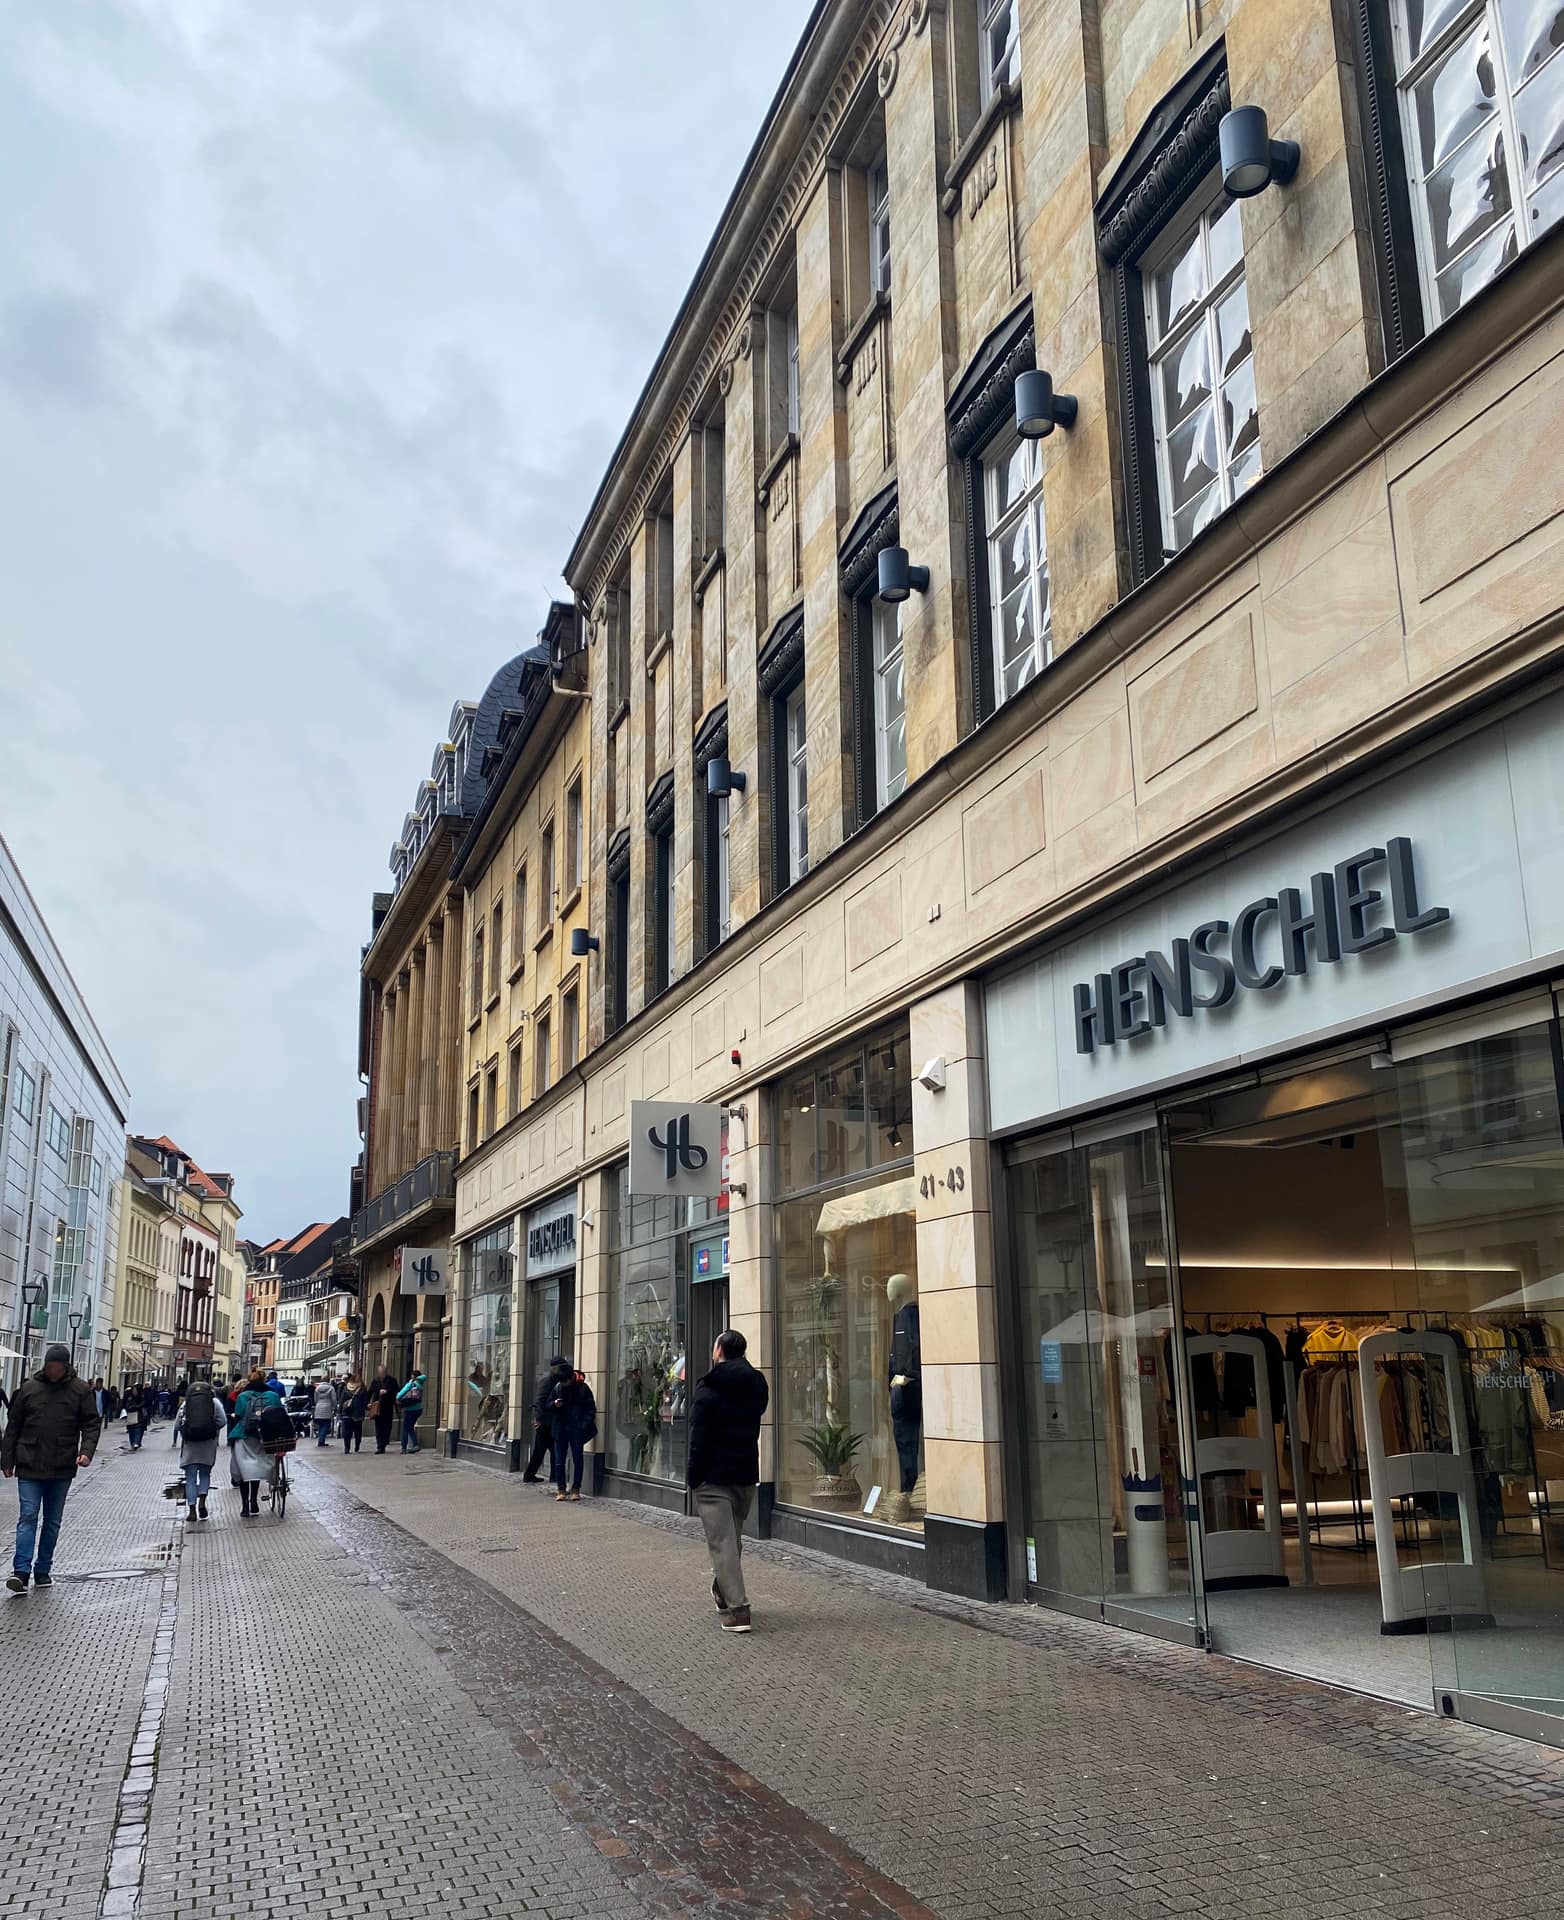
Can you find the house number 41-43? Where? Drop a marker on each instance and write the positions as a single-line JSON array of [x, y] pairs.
[[953, 1180]]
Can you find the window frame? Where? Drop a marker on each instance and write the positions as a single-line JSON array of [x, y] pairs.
[[513, 1065], [518, 935], [496, 946], [491, 1099], [56, 1126], [542, 1053], [1403, 80], [998, 525], [1203, 209], [796, 779], [664, 906], [993, 75], [569, 1029], [878, 222], [619, 959], [26, 1084], [894, 660], [547, 882], [477, 972], [575, 835]]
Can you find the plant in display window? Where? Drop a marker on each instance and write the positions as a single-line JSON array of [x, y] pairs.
[[644, 1391], [833, 1450]]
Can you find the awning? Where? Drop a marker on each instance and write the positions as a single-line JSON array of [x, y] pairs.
[[873, 1203], [328, 1353]]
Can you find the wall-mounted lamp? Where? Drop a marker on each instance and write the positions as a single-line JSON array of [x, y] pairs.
[[932, 1074], [721, 780], [1038, 408], [588, 1217], [898, 578], [582, 943], [1251, 159]]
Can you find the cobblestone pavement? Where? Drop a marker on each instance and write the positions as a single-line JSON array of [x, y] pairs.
[[347, 1726], [995, 1762]]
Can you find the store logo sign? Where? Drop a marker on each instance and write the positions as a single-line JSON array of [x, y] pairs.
[[423, 1269], [1365, 901], [550, 1240], [675, 1147]]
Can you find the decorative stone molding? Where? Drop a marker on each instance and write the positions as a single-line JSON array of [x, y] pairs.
[[711, 737], [618, 862], [782, 656], [824, 130], [659, 804], [876, 527], [914, 20], [741, 351], [985, 394], [1177, 149]]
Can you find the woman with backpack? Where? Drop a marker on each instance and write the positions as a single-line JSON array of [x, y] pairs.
[[248, 1462], [410, 1404], [197, 1427], [354, 1405]]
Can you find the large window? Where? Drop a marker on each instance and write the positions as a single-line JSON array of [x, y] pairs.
[[575, 838], [849, 1385], [518, 938], [546, 880], [486, 1416], [542, 1042], [1021, 615], [795, 737], [662, 1326], [890, 703], [477, 972], [59, 1134], [999, 54], [665, 910], [1201, 369], [569, 1029], [26, 1093], [619, 958], [722, 879], [1480, 86], [879, 185], [496, 946]]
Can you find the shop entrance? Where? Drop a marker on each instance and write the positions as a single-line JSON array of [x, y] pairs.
[[1370, 1258], [708, 1300], [550, 1326]]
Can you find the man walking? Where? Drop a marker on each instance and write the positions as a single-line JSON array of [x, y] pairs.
[[53, 1429], [382, 1405], [724, 1468], [543, 1424]]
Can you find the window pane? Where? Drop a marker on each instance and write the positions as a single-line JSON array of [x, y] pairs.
[[1474, 270], [1468, 195], [1232, 327], [1198, 514], [1246, 469], [1539, 113], [1454, 98], [1240, 415], [1186, 378], [1014, 474], [843, 1129], [1533, 30], [1547, 205], [887, 631], [1179, 284], [1425, 21], [1192, 462], [1227, 241], [1014, 554]]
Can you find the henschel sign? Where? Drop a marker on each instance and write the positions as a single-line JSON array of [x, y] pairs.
[[1344, 913], [675, 1147], [423, 1269]]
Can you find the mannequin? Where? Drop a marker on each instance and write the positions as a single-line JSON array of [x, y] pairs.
[[906, 1388]]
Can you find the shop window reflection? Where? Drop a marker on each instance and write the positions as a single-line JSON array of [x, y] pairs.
[[489, 1338]]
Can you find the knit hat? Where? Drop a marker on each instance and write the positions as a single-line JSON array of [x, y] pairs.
[[57, 1352]]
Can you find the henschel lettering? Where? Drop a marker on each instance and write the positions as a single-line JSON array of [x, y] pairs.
[[1341, 913]]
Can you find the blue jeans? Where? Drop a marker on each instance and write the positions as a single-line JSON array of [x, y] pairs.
[[567, 1448], [410, 1419], [46, 1497], [198, 1484], [138, 1433], [322, 1432]]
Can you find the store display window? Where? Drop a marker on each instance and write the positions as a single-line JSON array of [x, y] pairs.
[[489, 1265], [849, 1387]]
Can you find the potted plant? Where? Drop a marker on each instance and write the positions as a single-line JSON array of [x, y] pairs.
[[833, 1449]]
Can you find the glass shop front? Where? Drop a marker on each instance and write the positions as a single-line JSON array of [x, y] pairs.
[[1286, 1320]]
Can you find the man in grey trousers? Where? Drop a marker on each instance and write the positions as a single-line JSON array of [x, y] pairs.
[[724, 1469]]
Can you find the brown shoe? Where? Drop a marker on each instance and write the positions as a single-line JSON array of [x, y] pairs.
[[575, 1494], [559, 1493], [736, 1620]]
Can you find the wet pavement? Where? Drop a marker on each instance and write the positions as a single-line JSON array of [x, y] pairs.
[[430, 1690]]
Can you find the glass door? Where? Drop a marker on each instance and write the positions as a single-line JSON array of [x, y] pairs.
[[1106, 1526], [708, 1300], [550, 1329]]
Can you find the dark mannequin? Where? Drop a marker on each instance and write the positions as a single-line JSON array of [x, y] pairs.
[[906, 1385]]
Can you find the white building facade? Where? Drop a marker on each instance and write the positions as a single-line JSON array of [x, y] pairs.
[[63, 1105]]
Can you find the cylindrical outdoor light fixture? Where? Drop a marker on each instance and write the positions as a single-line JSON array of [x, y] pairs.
[[722, 779], [898, 578], [1038, 408], [1251, 159]]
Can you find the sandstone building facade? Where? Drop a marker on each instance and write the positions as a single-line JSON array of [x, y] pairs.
[[1098, 836]]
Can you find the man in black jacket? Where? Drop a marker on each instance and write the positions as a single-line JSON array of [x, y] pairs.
[[52, 1430], [543, 1422], [724, 1469]]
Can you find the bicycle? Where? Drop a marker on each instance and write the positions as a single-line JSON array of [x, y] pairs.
[[277, 1491]]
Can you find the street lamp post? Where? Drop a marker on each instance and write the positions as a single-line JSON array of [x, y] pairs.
[[32, 1295], [75, 1320], [113, 1342]]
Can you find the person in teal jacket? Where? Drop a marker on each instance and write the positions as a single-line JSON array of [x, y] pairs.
[[248, 1466]]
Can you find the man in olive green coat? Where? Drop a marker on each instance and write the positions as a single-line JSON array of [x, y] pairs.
[[52, 1430]]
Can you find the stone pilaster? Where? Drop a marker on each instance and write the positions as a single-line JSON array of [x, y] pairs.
[[752, 1303], [964, 1531]]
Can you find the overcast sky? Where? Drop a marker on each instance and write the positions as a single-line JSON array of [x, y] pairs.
[[318, 322]]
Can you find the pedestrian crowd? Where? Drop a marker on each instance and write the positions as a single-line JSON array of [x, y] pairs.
[[55, 1421]]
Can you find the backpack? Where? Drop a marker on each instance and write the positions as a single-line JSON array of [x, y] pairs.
[[200, 1414], [269, 1427]]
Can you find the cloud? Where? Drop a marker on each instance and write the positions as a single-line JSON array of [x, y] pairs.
[[317, 326]]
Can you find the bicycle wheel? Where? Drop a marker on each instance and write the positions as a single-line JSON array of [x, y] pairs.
[[282, 1486]]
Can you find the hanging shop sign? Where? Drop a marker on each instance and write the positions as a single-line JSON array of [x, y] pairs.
[[676, 1148], [1361, 903], [551, 1236], [424, 1269]]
